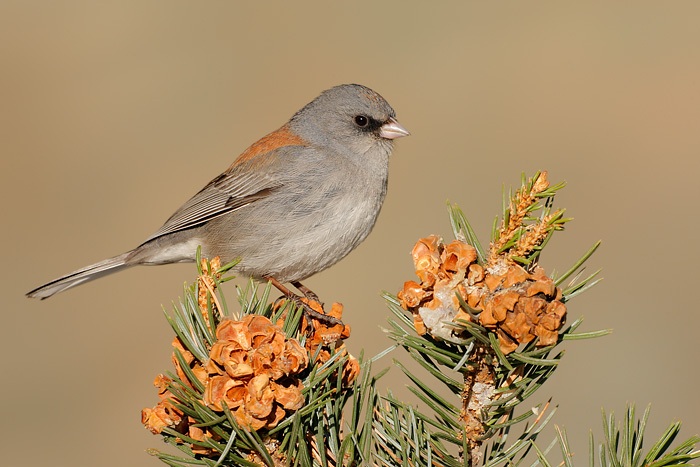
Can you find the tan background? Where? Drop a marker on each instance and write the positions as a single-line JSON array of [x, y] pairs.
[[114, 113]]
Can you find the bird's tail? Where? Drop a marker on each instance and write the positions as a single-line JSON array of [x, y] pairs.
[[94, 271]]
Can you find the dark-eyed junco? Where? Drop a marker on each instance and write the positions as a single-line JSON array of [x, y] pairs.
[[294, 203]]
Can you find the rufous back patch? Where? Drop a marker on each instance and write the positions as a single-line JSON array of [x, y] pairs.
[[277, 139]]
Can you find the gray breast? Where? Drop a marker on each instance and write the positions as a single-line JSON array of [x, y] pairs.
[[311, 223]]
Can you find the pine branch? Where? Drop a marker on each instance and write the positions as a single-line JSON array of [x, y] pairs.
[[257, 387], [492, 318], [623, 444], [260, 385]]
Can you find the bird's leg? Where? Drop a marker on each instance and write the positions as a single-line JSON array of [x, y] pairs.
[[308, 293], [308, 311]]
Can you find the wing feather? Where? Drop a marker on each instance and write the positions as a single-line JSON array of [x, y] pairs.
[[243, 183], [226, 193]]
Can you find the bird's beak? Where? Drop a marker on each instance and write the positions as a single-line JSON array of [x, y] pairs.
[[392, 130]]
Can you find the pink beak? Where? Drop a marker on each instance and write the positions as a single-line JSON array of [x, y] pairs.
[[392, 130]]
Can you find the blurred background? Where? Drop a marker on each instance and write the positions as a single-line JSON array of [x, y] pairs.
[[115, 113]]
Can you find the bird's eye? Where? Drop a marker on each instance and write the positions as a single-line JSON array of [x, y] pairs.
[[361, 120]]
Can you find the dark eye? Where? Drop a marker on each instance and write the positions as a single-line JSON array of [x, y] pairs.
[[361, 120]]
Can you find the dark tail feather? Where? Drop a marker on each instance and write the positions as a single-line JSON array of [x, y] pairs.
[[80, 276]]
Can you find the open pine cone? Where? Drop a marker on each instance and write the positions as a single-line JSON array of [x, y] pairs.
[[254, 369], [503, 297]]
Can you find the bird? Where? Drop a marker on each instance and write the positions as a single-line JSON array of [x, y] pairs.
[[294, 203]]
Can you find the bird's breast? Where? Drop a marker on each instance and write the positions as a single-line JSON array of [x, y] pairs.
[[312, 221]]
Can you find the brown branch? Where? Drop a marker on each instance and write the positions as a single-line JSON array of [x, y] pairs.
[[478, 392]]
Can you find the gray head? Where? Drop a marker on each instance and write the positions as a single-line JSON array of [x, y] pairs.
[[349, 116]]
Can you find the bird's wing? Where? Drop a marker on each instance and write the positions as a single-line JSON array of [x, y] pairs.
[[226, 193], [249, 179]]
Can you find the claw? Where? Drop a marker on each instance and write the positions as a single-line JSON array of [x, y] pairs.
[[308, 293], [310, 313]]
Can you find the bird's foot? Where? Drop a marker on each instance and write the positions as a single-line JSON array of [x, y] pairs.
[[307, 292], [306, 303], [312, 313]]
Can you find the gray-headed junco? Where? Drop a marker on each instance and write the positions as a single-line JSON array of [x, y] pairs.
[[294, 203]]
